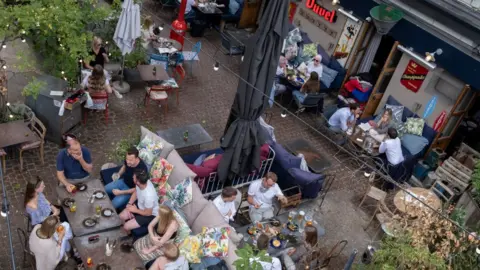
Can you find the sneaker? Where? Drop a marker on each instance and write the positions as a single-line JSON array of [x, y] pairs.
[[117, 94]]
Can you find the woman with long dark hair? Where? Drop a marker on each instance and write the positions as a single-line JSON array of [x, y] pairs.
[[37, 206]]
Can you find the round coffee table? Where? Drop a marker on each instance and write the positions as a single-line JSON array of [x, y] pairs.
[[403, 200]]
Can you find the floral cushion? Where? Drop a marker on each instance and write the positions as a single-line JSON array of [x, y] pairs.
[[181, 194], [415, 126], [162, 187], [190, 248], [149, 150], [161, 169], [401, 128], [215, 242], [183, 230], [397, 112], [310, 49]]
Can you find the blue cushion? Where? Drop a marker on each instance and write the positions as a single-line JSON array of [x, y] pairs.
[[361, 96], [310, 183], [328, 76], [285, 159], [233, 7], [325, 56], [414, 144], [106, 174], [200, 160]]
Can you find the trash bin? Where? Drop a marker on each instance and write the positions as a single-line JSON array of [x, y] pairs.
[[198, 28]]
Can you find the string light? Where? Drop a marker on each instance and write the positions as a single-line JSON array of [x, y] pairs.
[[8, 104], [80, 61], [284, 112], [160, 27], [106, 42], [335, 2], [23, 39], [216, 66], [4, 45], [23, 32], [63, 72], [4, 66], [242, 58], [65, 78], [11, 116]]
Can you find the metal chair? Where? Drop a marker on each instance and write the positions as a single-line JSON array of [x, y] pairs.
[[157, 93], [310, 101], [28, 222], [27, 254], [3, 154], [98, 98], [37, 142], [193, 55]]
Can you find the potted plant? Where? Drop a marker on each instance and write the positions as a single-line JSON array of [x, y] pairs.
[[138, 56], [250, 258]]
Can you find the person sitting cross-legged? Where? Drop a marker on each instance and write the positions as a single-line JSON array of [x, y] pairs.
[[146, 209], [225, 203], [260, 197], [122, 187]]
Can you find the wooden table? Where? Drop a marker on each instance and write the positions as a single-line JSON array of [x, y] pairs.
[[403, 200], [358, 138], [85, 209], [316, 161], [96, 251], [15, 132], [196, 135], [148, 75]]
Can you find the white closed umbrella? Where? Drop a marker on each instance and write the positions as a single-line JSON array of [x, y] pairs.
[[128, 27], [127, 31]]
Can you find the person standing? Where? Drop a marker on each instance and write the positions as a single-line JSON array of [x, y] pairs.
[[260, 197], [146, 207], [122, 187], [74, 163]]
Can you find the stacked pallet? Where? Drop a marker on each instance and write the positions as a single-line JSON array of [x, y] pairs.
[[454, 174]]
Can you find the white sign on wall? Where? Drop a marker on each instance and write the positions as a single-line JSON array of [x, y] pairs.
[[347, 40]]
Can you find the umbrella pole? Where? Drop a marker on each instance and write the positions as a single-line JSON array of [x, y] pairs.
[[123, 67]]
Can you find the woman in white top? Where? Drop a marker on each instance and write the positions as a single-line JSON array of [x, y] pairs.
[[45, 245]]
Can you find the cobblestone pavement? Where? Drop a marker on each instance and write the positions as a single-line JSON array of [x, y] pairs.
[[205, 97]]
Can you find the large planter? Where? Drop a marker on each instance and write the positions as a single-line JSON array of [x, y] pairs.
[[131, 75], [472, 217]]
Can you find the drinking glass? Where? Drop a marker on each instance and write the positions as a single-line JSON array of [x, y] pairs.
[[309, 220], [291, 215], [98, 209], [73, 207], [301, 216]]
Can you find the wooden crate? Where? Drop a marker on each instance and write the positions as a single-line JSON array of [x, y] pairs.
[[450, 180], [458, 170]]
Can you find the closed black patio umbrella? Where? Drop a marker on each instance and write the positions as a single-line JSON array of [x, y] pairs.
[[242, 139]]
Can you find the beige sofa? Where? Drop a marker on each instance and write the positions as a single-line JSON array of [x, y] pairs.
[[200, 212]]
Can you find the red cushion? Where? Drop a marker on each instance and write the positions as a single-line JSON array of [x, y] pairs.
[[212, 163], [264, 151], [200, 171]]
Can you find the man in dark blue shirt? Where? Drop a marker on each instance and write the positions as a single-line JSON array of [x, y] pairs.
[[74, 163], [121, 188]]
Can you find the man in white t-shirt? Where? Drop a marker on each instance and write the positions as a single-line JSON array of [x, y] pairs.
[[146, 209], [392, 147], [260, 197], [315, 65], [225, 203]]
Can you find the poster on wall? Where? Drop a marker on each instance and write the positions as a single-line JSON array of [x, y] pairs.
[[413, 76], [347, 40]]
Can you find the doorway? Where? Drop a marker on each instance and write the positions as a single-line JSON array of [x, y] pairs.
[[381, 56]]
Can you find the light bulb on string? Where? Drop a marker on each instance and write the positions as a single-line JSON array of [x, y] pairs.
[[23, 32], [4, 66], [23, 39], [216, 66], [283, 114], [335, 2], [8, 104], [4, 45], [80, 61], [63, 72], [242, 58], [160, 27], [5, 210]]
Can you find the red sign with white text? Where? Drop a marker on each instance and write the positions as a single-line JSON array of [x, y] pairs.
[[413, 76], [439, 121], [328, 15]]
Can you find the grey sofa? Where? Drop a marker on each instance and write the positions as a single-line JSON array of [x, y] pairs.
[[200, 212]]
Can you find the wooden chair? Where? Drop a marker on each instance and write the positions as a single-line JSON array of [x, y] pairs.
[[38, 142], [442, 191], [27, 254], [3, 154], [157, 93], [374, 193], [382, 214], [98, 98]]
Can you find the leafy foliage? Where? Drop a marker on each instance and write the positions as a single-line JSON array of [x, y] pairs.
[[476, 182], [33, 88], [137, 56], [399, 253], [249, 259], [57, 28]]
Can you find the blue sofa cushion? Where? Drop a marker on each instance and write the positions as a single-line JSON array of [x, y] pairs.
[[106, 174], [233, 7], [284, 157], [310, 183], [415, 144], [328, 76], [361, 96], [337, 83]]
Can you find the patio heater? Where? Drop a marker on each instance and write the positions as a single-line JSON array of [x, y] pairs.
[[179, 26], [384, 18]]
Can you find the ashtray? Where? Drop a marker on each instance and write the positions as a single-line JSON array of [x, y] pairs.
[[126, 247], [98, 194], [275, 222], [107, 212], [89, 222], [67, 202], [103, 266], [81, 187]]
